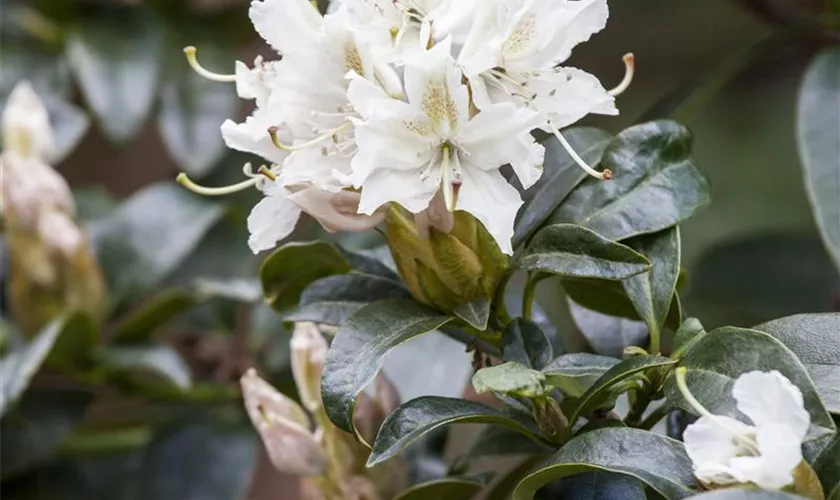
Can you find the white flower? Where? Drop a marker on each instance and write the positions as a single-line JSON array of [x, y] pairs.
[[309, 353], [26, 124], [410, 150], [726, 451]]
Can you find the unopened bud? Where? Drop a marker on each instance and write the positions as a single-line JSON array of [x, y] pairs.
[[283, 427], [309, 353], [26, 124], [550, 418]]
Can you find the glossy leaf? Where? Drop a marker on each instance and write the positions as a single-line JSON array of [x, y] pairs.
[[418, 417], [150, 236], [574, 374], [815, 339], [199, 462], [718, 358], [661, 463], [117, 62], [689, 332], [655, 184], [525, 343], [450, 488], [509, 378], [608, 334], [504, 441], [141, 324], [192, 107], [333, 299], [475, 313], [651, 293], [74, 346], [622, 371], [33, 430], [818, 137], [360, 346], [159, 360], [560, 176], [597, 485], [576, 252], [827, 467], [740, 494]]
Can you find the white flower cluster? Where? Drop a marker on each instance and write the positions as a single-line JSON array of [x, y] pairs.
[[411, 102]]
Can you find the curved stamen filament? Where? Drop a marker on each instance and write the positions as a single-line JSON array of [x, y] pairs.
[[629, 71], [266, 172], [184, 180], [202, 71], [272, 131], [605, 175], [521, 89]]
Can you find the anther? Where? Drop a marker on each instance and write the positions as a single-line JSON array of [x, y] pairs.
[[629, 71], [193, 60]]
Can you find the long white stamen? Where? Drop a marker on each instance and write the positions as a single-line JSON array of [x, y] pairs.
[[184, 180], [446, 180], [272, 131], [216, 77], [605, 175], [523, 91], [629, 71]]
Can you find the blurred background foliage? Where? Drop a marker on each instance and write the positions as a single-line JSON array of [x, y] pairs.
[[151, 410]]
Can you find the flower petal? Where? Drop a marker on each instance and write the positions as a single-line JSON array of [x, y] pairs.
[[252, 136], [26, 124], [569, 94], [710, 445], [768, 398], [272, 219], [286, 24], [490, 199], [780, 453], [335, 211], [406, 187], [574, 22], [433, 83]]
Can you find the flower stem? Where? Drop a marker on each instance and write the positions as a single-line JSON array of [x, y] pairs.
[[528, 296], [655, 339], [499, 299]]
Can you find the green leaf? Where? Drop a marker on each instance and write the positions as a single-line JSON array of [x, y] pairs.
[[607, 334], [74, 346], [360, 346], [117, 62], [601, 388], [827, 467], [689, 332], [333, 299], [718, 358], [193, 108], [815, 340], [574, 373], [525, 343], [655, 184], [33, 430], [659, 462], [510, 377], [503, 441], [560, 176], [161, 361], [199, 462], [450, 488], [163, 307], [597, 485], [739, 494], [150, 236], [653, 292], [573, 251], [93, 202], [818, 137], [18, 367], [418, 417], [475, 313]]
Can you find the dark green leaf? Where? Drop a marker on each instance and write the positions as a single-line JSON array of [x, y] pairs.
[[597, 485], [655, 184], [827, 466], [815, 339], [418, 417], [608, 334], [690, 331], [739, 494], [450, 488], [718, 358], [199, 462], [75, 344], [618, 373], [193, 108], [576, 252], [525, 343], [141, 324], [150, 236], [573, 374], [510, 378], [117, 62], [475, 313], [159, 360], [818, 135], [333, 299], [653, 292], [32, 431], [292, 267], [44, 68], [360, 346], [659, 462], [560, 176], [499, 441]]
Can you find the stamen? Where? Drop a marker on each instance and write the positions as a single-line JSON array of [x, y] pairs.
[[193, 60], [272, 131], [604, 176], [679, 374], [265, 171], [629, 71], [524, 91], [184, 180], [448, 180]]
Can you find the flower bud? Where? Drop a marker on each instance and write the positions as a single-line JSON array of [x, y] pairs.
[[550, 418], [283, 427], [309, 352], [26, 124]]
